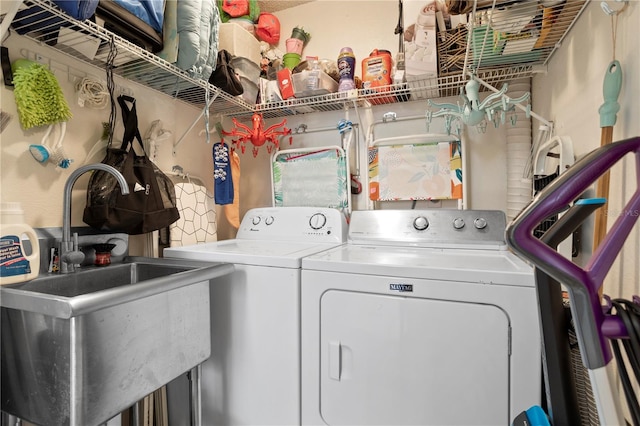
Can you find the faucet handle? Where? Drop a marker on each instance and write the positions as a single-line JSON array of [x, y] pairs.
[[76, 256], [71, 255]]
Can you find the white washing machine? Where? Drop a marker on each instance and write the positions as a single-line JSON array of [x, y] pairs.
[[253, 374], [422, 318]]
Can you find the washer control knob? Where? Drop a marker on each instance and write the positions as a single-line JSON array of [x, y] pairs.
[[458, 223], [255, 220], [480, 223], [420, 223], [317, 221], [269, 220]]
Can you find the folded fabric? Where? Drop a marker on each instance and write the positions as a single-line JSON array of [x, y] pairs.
[[198, 23], [232, 211], [170, 32]]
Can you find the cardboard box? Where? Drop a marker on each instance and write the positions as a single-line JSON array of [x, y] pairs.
[[285, 83]]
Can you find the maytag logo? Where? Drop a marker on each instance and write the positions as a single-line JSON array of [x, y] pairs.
[[401, 287]]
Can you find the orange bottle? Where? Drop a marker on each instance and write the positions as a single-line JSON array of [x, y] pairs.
[[376, 73]]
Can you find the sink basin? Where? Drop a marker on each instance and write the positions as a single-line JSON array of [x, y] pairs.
[[77, 349]]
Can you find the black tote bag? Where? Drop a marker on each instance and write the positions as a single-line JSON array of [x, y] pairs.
[[151, 202]]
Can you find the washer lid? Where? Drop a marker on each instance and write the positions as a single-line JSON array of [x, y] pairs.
[[480, 266], [250, 252]]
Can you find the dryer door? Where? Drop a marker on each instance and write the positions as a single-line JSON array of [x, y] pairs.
[[400, 360]]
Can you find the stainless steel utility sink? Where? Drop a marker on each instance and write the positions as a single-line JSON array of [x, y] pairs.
[[79, 348]]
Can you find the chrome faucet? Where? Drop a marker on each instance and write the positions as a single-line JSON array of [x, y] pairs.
[[70, 254]]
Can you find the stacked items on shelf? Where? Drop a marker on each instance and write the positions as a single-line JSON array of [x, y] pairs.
[[242, 31], [506, 34], [502, 48], [298, 78]]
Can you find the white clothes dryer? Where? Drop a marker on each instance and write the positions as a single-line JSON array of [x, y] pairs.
[[253, 374], [422, 318]]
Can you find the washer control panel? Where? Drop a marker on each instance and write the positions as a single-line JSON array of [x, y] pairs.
[[294, 224], [317, 221], [421, 223], [429, 228]]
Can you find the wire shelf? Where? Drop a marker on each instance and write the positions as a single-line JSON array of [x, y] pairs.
[[525, 32], [491, 59], [488, 57], [42, 21]]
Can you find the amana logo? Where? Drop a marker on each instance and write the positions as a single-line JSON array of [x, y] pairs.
[[401, 287]]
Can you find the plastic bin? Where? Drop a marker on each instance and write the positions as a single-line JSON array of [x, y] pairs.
[[239, 42], [327, 85], [250, 93], [246, 68]]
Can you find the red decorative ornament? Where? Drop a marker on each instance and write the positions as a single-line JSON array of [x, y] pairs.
[[257, 135]]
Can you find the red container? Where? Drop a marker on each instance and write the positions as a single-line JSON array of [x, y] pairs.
[[285, 83]]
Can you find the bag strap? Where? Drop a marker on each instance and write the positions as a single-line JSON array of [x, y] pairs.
[[225, 58], [130, 119]]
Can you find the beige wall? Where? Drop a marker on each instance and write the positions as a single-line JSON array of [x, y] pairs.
[[39, 187]]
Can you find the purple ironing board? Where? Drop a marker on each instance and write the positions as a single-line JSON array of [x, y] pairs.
[[593, 326]]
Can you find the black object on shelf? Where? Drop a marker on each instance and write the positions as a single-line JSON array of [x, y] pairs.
[[120, 21]]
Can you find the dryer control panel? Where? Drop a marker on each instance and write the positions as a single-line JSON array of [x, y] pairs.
[[315, 224], [430, 228]]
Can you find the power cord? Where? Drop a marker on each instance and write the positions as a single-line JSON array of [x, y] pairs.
[[111, 57], [92, 93]]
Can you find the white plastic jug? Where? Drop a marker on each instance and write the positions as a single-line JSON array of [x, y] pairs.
[[15, 264]]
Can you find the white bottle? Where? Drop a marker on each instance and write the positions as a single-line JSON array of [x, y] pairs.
[[15, 264], [424, 53], [313, 78], [425, 29]]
